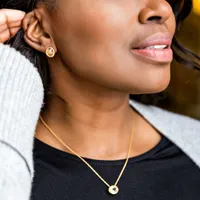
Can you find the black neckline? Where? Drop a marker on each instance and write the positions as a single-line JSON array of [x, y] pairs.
[[45, 151]]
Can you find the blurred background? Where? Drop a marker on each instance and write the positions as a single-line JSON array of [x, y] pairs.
[[184, 90]]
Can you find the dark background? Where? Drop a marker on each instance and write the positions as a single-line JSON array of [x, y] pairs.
[[184, 90]]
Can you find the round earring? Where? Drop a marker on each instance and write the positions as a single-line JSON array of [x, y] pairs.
[[50, 52]]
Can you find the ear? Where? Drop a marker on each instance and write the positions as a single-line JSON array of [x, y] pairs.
[[34, 33]]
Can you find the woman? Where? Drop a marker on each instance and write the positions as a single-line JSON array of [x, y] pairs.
[[91, 142]]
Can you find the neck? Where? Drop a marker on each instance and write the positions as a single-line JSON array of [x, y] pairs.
[[90, 121]]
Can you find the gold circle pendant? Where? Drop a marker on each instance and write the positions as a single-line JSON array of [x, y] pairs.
[[113, 189]]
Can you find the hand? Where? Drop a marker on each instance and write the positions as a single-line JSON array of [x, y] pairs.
[[10, 23]]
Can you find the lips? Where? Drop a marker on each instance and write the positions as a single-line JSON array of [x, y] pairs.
[[156, 47], [154, 40]]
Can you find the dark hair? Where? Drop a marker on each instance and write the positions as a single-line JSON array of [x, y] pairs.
[[181, 8]]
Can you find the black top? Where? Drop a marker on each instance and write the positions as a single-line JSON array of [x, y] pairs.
[[163, 173]]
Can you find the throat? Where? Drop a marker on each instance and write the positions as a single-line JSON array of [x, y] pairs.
[[92, 132], [107, 143]]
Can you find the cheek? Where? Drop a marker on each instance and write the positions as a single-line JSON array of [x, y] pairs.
[[91, 23], [96, 28], [87, 36], [171, 24]]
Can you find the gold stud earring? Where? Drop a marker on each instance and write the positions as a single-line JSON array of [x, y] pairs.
[[50, 52]]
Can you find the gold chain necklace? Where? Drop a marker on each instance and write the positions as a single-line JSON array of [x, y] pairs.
[[112, 189]]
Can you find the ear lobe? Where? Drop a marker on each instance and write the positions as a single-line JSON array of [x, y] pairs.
[[34, 34]]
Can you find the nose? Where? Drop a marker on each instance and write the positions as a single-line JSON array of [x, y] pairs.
[[156, 11]]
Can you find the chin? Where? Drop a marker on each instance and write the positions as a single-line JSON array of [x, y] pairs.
[[157, 89], [158, 81], [158, 86], [151, 86]]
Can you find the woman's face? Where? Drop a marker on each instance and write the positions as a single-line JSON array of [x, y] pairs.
[[122, 45]]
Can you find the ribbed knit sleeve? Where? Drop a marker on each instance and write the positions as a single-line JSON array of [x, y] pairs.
[[21, 98]]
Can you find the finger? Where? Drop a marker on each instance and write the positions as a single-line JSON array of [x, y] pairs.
[[8, 33], [5, 36], [14, 30], [3, 27], [14, 24], [7, 15]]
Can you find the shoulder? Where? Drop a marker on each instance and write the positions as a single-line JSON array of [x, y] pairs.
[[182, 130], [159, 116], [13, 63]]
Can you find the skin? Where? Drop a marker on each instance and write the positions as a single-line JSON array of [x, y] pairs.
[[10, 23], [94, 71]]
